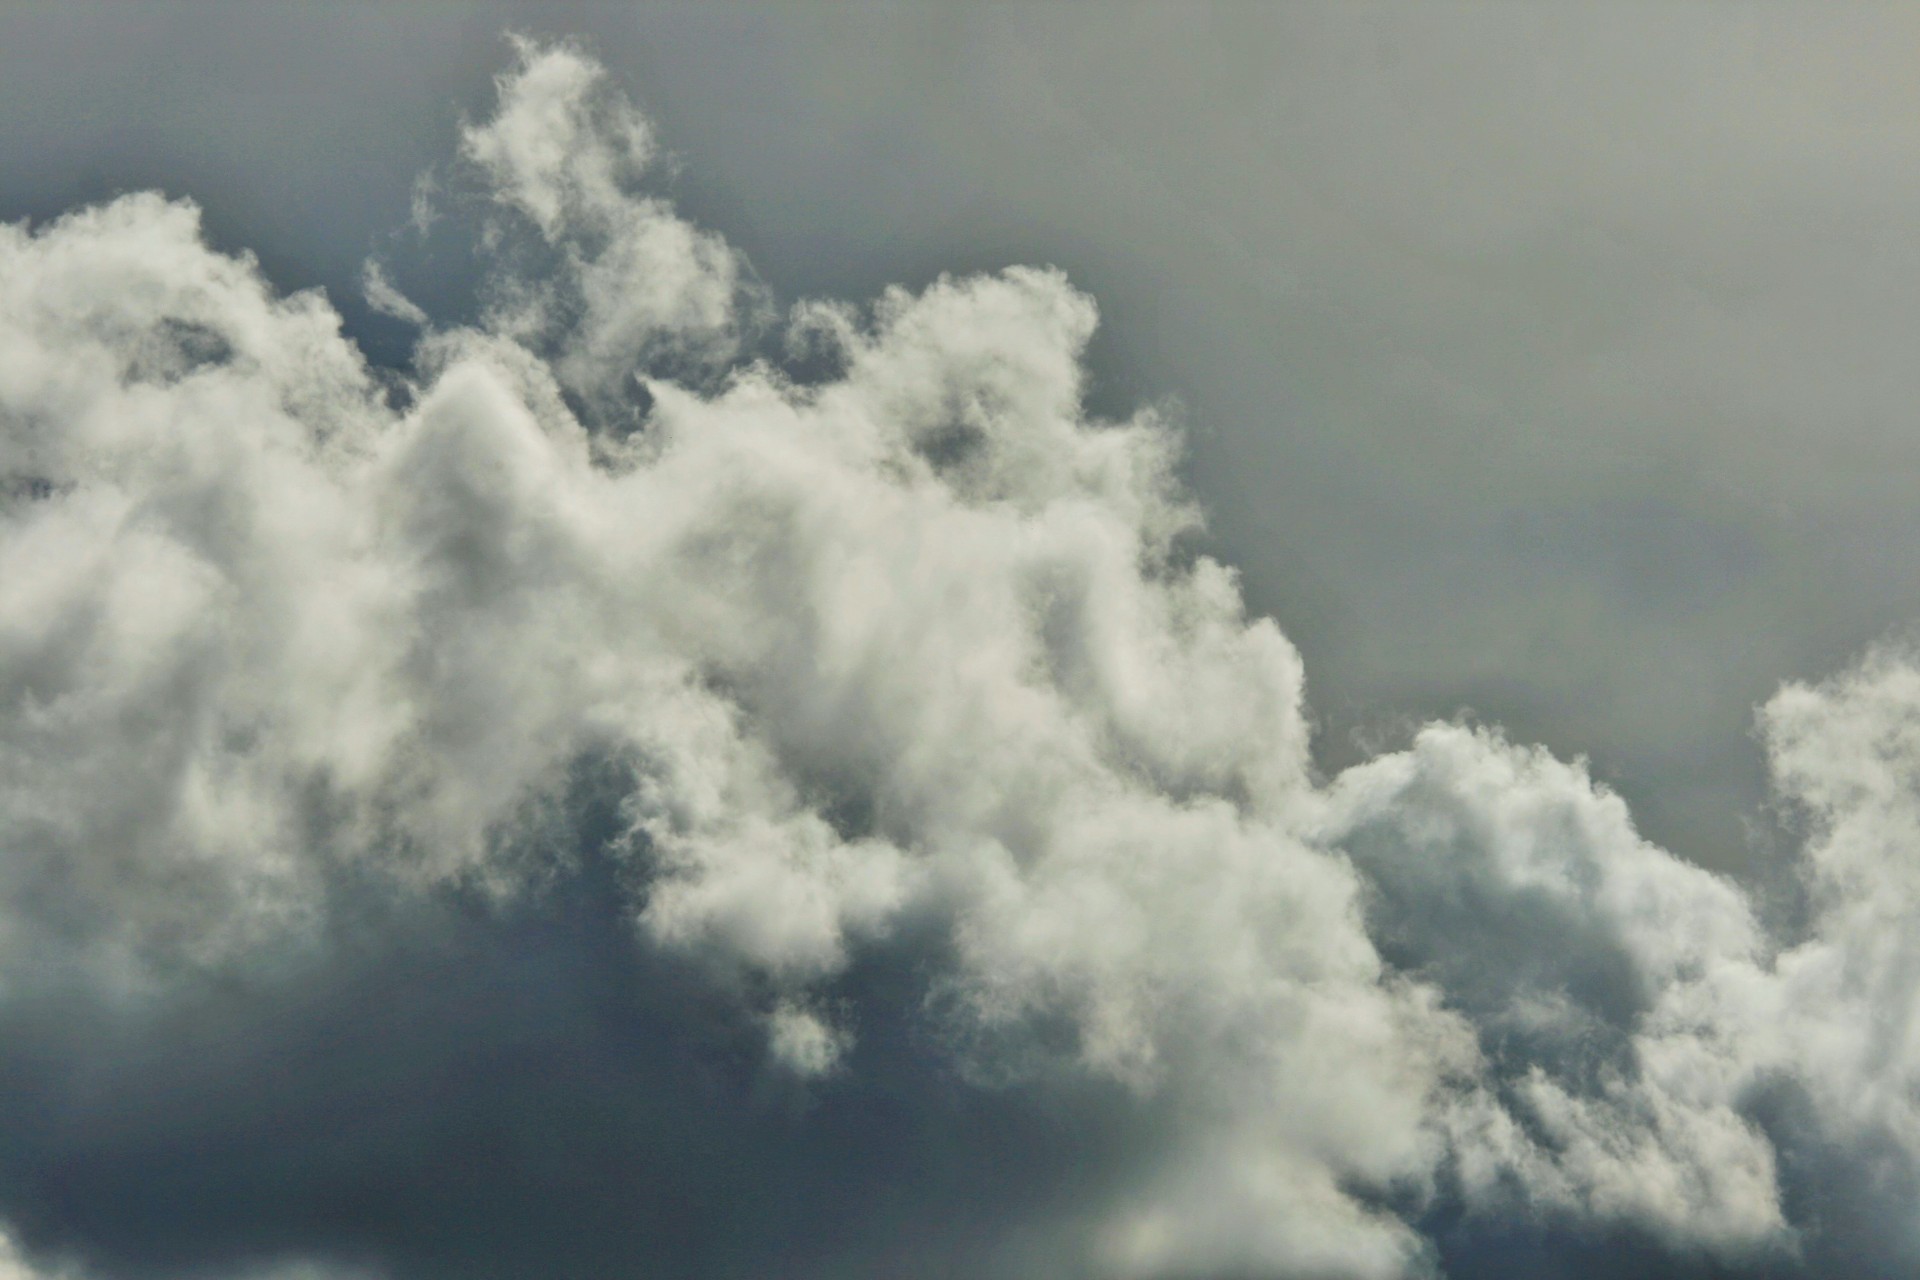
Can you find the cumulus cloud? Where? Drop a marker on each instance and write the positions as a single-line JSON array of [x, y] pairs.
[[628, 280], [918, 650]]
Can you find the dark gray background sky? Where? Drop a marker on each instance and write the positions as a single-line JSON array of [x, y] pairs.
[[1550, 361]]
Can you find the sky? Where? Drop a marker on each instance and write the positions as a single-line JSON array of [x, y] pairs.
[[1125, 640]]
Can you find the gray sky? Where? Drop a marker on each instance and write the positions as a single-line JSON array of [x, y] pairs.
[[1545, 363]]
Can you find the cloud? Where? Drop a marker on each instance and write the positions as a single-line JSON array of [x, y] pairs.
[[630, 281], [383, 297], [914, 719], [15, 1266]]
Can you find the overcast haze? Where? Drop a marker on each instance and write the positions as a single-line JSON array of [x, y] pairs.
[[920, 653]]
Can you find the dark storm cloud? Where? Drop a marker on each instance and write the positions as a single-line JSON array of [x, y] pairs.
[[592, 801], [456, 1093]]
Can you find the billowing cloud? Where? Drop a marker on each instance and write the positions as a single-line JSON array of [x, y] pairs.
[[906, 702]]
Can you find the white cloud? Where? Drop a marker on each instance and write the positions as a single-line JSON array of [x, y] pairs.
[[16, 1265], [384, 297], [630, 279], [1523, 892], [918, 642]]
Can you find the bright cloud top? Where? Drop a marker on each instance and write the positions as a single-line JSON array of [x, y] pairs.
[[914, 645]]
